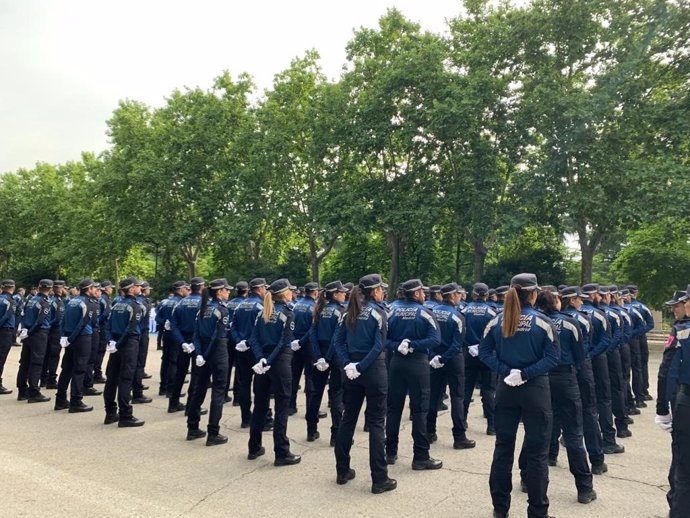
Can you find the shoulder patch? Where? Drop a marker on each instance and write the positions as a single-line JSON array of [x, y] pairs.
[[491, 325], [572, 328], [545, 326], [428, 318]]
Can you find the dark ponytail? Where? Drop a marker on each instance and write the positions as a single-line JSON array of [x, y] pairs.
[[321, 302], [354, 307], [204, 301], [512, 309]]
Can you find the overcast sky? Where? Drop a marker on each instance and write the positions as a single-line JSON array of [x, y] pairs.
[[65, 64]]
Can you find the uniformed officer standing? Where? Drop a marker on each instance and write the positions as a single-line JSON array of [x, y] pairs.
[[7, 326], [448, 367], [182, 324], [477, 315], [241, 292], [211, 347], [170, 349], [123, 333], [94, 303], [270, 344], [435, 297], [104, 302], [77, 339], [302, 360], [57, 307], [412, 334], [359, 342], [521, 345], [34, 337], [644, 345], [138, 388], [328, 311]]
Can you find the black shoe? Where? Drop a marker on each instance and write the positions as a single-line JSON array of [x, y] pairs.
[[623, 434], [427, 464], [61, 404], [176, 408], [38, 398], [145, 387], [490, 430], [132, 422], [523, 486], [442, 406], [464, 444], [90, 391], [203, 411], [613, 449], [146, 376], [4, 391], [433, 438], [111, 418], [332, 443], [268, 427], [99, 380], [553, 462], [50, 385], [236, 402], [76, 409], [195, 434], [292, 411], [390, 459], [500, 515], [634, 411], [445, 396], [288, 460], [388, 485], [256, 454], [629, 420], [311, 437], [162, 392], [647, 397], [587, 497], [227, 399], [141, 400], [641, 404], [215, 440], [599, 469], [366, 427], [345, 478], [245, 424], [22, 396], [322, 414]]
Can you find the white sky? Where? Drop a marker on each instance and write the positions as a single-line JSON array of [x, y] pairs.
[[65, 64]]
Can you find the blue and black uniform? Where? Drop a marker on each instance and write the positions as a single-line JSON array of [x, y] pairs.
[[302, 359], [182, 322], [36, 321], [7, 330], [142, 354], [232, 305], [124, 329], [271, 341], [613, 355], [644, 345], [211, 342], [104, 309], [49, 377], [89, 379], [77, 326], [409, 374], [534, 351], [452, 326], [170, 349], [640, 328]]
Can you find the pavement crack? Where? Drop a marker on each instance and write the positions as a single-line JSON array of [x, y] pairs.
[[660, 487]]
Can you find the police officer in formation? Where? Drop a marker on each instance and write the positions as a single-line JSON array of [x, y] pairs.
[[171, 350], [7, 326], [50, 365], [303, 310], [94, 304], [138, 386], [104, 302], [241, 292]]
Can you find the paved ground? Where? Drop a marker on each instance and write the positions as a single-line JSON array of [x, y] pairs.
[[71, 465]]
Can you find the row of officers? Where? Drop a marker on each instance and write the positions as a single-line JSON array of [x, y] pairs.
[[570, 362]]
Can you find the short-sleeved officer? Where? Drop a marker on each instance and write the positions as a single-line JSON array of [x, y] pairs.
[[7, 326], [270, 344], [359, 342], [34, 336], [211, 346], [521, 346]]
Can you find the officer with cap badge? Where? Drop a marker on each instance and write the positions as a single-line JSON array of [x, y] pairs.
[[123, 334], [34, 337], [77, 339], [412, 334], [7, 326], [211, 362], [138, 387], [303, 313], [359, 342], [448, 366], [182, 324], [521, 346], [478, 313], [170, 349], [677, 421], [270, 343], [104, 304], [57, 308]]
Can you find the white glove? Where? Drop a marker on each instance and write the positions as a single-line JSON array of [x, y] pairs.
[[23, 334], [166, 326], [261, 367], [436, 362], [200, 360], [514, 379], [322, 365], [473, 350], [242, 346], [665, 422], [351, 371], [188, 348], [295, 346], [404, 347], [64, 342], [111, 347]]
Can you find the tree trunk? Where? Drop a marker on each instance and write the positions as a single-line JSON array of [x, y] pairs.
[[480, 253], [313, 259], [394, 241], [588, 246], [117, 270], [190, 255], [458, 263]]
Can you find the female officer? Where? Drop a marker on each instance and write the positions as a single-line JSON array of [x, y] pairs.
[[521, 345], [270, 343], [211, 347], [328, 310], [359, 342]]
